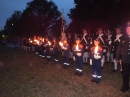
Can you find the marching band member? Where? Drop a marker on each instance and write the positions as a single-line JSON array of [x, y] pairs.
[[109, 53], [66, 51], [103, 42], [86, 43], [69, 40], [78, 56], [96, 54], [47, 46], [115, 46], [55, 50]]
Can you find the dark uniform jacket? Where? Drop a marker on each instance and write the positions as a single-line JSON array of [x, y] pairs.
[[66, 52], [86, 43], [124, 49], [80, 50]]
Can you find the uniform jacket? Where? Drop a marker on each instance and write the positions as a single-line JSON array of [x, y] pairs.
[[80, 50], [124, 49], [92, 52]]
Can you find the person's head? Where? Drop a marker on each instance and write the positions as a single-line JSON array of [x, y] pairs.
[[128, 29], [84, 31], [109, 32], [96, 42], [69, 35], [78, 41], [118, 30], [100, 31], [46, 39], [65, 41]]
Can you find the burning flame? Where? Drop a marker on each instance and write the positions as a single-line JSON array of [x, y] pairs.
[[96, 49], [37, 42], [61, 44], [49, 42], [77, 47], [31, 41], [43, 39]]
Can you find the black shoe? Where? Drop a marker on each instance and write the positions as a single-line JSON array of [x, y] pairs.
[[102, 67], [121, 72], [80, 73], [76, 73], [97, 82], [114, 70], [124, 90]]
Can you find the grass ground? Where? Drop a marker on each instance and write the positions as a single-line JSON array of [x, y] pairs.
[[24, 74]]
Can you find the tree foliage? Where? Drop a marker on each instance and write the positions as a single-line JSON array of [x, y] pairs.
[[39, 18], [110, 12]]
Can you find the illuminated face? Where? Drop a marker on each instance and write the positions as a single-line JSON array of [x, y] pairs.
[[100, 31], [65, 41], [109, 32], [84, 31], [96, 43], [128, 31], [78, 41], [46, 39], [118, 31]]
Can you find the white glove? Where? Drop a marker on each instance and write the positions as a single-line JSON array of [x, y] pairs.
[[74, 58], [104, 50], [90, 62], [97, 57], [86, 47], [91, 42], [79, 54], [110, 42]]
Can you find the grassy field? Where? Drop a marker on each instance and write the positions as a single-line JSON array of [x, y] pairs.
[[24, 74]]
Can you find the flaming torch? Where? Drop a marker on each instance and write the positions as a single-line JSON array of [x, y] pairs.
[[96, 55], [49, 42], [60, 43]]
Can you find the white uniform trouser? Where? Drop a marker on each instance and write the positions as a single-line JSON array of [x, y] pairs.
[[108, 57], [85, 57], [71, 55], [115, 65], [102, 60]]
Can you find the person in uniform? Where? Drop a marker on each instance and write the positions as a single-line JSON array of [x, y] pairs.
[[55, 46], [78, 56], [96, 54], [124, 48], [69, 40], [47, 46], [86, 43], [104, 44], [66, 51], [110, 52], [115, 46]]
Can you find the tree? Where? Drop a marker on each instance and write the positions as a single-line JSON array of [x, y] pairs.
[[11, 27], [39, 17]]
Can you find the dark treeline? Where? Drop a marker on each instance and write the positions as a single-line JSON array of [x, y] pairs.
[[92, 14], [39, 18], [42, 16]]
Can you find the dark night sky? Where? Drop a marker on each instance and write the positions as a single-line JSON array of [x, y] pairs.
[[7, 7]]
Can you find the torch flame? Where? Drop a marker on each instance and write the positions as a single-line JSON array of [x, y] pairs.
[[96, 49], [43, 39], [61, 44], [49, 42], [37, 42], [77, 47]]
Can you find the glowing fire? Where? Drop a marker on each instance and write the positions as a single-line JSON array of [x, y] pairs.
[[96, 49], [43, 39], [77, 47], [37, 42], [49, 42], [61, 44]]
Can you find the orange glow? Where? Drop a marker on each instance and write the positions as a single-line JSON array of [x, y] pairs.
[[96, 49], [61, 44], [49, 42]]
